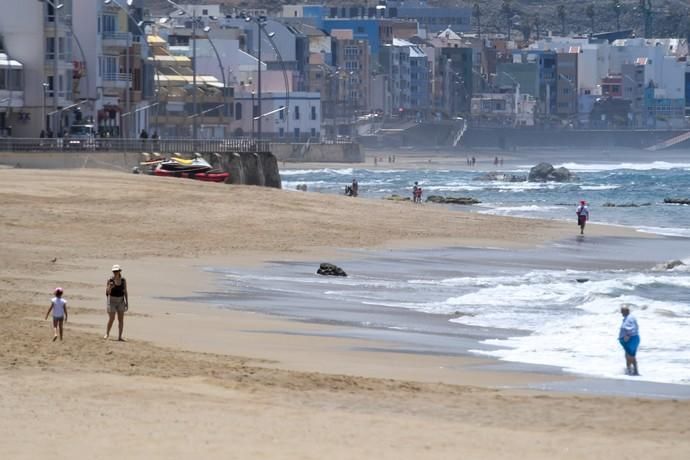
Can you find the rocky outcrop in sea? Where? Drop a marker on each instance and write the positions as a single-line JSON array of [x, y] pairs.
[[545, 172]]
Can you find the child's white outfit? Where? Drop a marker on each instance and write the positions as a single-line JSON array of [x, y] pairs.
[[59, 307]]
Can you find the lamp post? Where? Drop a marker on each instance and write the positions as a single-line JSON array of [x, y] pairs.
[[45, 120], [56, 19], [128, 4], [253, 113], [56, 8], [181, 12], [260, 24], [517, 94]]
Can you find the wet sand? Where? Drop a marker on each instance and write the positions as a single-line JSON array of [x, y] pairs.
[[193, 380]]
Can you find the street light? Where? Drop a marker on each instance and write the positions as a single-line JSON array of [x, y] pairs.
[[56, 19], [517, 93], [260, 24], [182, 12], [57, 7], [128, 72], [45, 120]]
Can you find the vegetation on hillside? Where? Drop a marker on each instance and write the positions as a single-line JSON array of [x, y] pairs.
[[532, 18]]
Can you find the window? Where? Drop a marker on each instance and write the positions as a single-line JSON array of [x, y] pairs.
[[109, 24], [50, 48], [281, 114], [281, 132], [313, 132], [238, 111], [51, 85], [296, 112], [296, 133], [107, 67], [313, 113], [204, 12]]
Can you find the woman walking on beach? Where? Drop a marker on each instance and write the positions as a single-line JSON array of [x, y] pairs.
[[58, 306], [117, 301]]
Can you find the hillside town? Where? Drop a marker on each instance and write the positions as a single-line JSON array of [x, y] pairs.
[[316, 73]]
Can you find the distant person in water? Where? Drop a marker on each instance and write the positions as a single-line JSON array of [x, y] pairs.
[[629, 338], [582, 212], [355, 187]]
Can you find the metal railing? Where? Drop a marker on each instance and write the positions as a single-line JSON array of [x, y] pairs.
[[114, 76], [120, 36], [163, 147]]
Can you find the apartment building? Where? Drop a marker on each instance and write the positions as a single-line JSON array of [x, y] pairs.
[[39, 36], [11, 91]]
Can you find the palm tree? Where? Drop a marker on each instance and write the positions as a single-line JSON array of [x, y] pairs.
[[645, 9], [507, 10], [560, 10], [589, 12], [477, 13], [616, 5]]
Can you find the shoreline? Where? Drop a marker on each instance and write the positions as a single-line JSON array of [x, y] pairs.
[[414, 332], [190, 378]]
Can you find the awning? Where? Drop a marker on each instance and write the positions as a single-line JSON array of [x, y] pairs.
[[6, 62]]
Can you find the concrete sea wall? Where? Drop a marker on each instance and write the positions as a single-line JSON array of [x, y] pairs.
[[244, 168], [319, 153]]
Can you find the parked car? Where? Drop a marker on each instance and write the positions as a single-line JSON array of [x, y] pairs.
[[82, 136]]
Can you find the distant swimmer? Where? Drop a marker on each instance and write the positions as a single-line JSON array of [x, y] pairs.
[[629, 338], [582, 212]]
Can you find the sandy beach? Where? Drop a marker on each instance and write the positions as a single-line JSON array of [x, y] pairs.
[[196, 381]]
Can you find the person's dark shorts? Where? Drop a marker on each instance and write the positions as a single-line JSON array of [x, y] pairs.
[[581, 220]]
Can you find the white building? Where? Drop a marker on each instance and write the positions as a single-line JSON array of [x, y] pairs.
[[11, 90], [296, 119], [660, 58], [39, 36], [592, 62]]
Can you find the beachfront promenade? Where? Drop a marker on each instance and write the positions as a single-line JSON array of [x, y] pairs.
[[159, 146]]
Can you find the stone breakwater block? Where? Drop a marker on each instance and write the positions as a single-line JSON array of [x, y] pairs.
[[452, 200], [677, 200], [397, 198], [327, 269]]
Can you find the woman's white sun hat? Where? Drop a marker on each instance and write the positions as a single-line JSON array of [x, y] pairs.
[[116, 268]]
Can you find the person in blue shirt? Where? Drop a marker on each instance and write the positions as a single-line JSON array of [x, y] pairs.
[[629, 338]]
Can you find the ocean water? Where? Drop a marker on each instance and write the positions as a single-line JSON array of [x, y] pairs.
[[522, 306], [644, 183]]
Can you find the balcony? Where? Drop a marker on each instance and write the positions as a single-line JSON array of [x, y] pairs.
[[112, 39], [117, 80]]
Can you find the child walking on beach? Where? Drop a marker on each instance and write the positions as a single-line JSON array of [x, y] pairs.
[[58, 306]]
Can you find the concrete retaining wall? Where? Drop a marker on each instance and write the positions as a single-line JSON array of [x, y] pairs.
[[244, 168], [319, 153]]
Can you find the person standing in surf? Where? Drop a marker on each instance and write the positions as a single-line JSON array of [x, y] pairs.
[[582, 212], [117, 301], [629, 338]]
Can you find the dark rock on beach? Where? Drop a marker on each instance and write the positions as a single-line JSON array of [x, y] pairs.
[[327, 269], [452, 200], [545, 172], [677, 200], [398, 198]]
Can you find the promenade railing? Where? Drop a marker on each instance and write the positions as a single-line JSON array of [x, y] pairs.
[[162, 147]]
